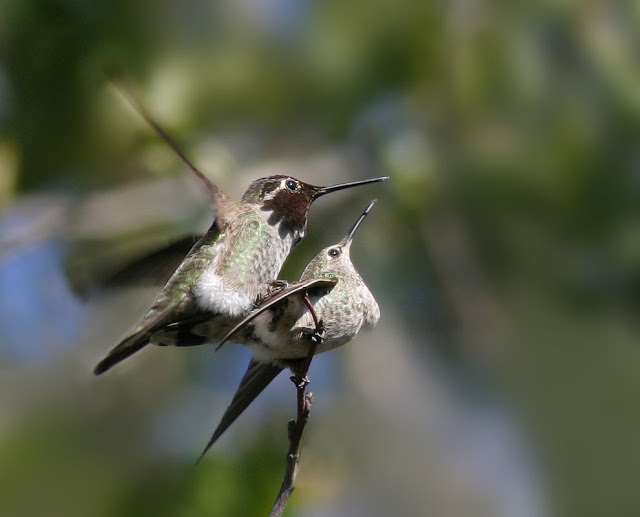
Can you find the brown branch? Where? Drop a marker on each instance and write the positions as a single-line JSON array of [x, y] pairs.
[[296, 427]]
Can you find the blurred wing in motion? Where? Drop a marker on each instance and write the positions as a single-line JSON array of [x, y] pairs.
[[153, 268], [94, 267]]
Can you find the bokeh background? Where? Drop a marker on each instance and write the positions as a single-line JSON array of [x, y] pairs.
[[503, 379]]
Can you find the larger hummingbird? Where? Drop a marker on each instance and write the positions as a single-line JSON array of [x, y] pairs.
[[329, 305], [226, 270]]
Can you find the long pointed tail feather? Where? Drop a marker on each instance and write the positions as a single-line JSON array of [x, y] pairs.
[[138, 339], [124, 349], [257, 377]]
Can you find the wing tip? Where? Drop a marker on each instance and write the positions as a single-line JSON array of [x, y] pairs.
[[213, 440], [257, 377]]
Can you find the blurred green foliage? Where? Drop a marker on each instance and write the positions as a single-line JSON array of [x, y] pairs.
[[511, 132]]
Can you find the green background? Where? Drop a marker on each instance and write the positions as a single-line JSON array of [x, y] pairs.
[[503, 377]]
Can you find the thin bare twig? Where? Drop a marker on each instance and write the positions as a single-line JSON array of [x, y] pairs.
[[296, 427]]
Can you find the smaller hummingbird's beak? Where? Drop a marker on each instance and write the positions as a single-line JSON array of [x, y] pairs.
[[321, 191], [349, 237]]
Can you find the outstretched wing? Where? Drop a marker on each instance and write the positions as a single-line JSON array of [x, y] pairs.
[[315, 287], [257, 377]]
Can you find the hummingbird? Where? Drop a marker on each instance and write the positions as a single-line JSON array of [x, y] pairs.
[[328, 306], [227, 269]]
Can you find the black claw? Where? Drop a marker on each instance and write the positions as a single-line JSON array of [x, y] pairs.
[[300, 382], [318, 333]]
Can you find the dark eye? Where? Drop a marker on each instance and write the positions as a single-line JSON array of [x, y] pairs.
[[334, 252], [292, 185]]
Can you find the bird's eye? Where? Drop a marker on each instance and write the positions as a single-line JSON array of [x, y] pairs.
[[292, 185], [334, 252]]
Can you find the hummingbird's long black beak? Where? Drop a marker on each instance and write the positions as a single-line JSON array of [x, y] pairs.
[[321, 191], [347, 240]]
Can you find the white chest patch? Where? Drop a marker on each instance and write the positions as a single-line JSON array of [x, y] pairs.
[[261, 329], [262, 354], [213, 295]]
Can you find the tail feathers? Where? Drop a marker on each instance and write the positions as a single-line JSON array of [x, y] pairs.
[[122, 350], [257, 377]]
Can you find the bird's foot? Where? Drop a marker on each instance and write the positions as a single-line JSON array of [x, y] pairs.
[[318, 334], [300, 381]]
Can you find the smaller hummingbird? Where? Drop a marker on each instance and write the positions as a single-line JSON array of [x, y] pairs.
[[329, 305], [226, 270]]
